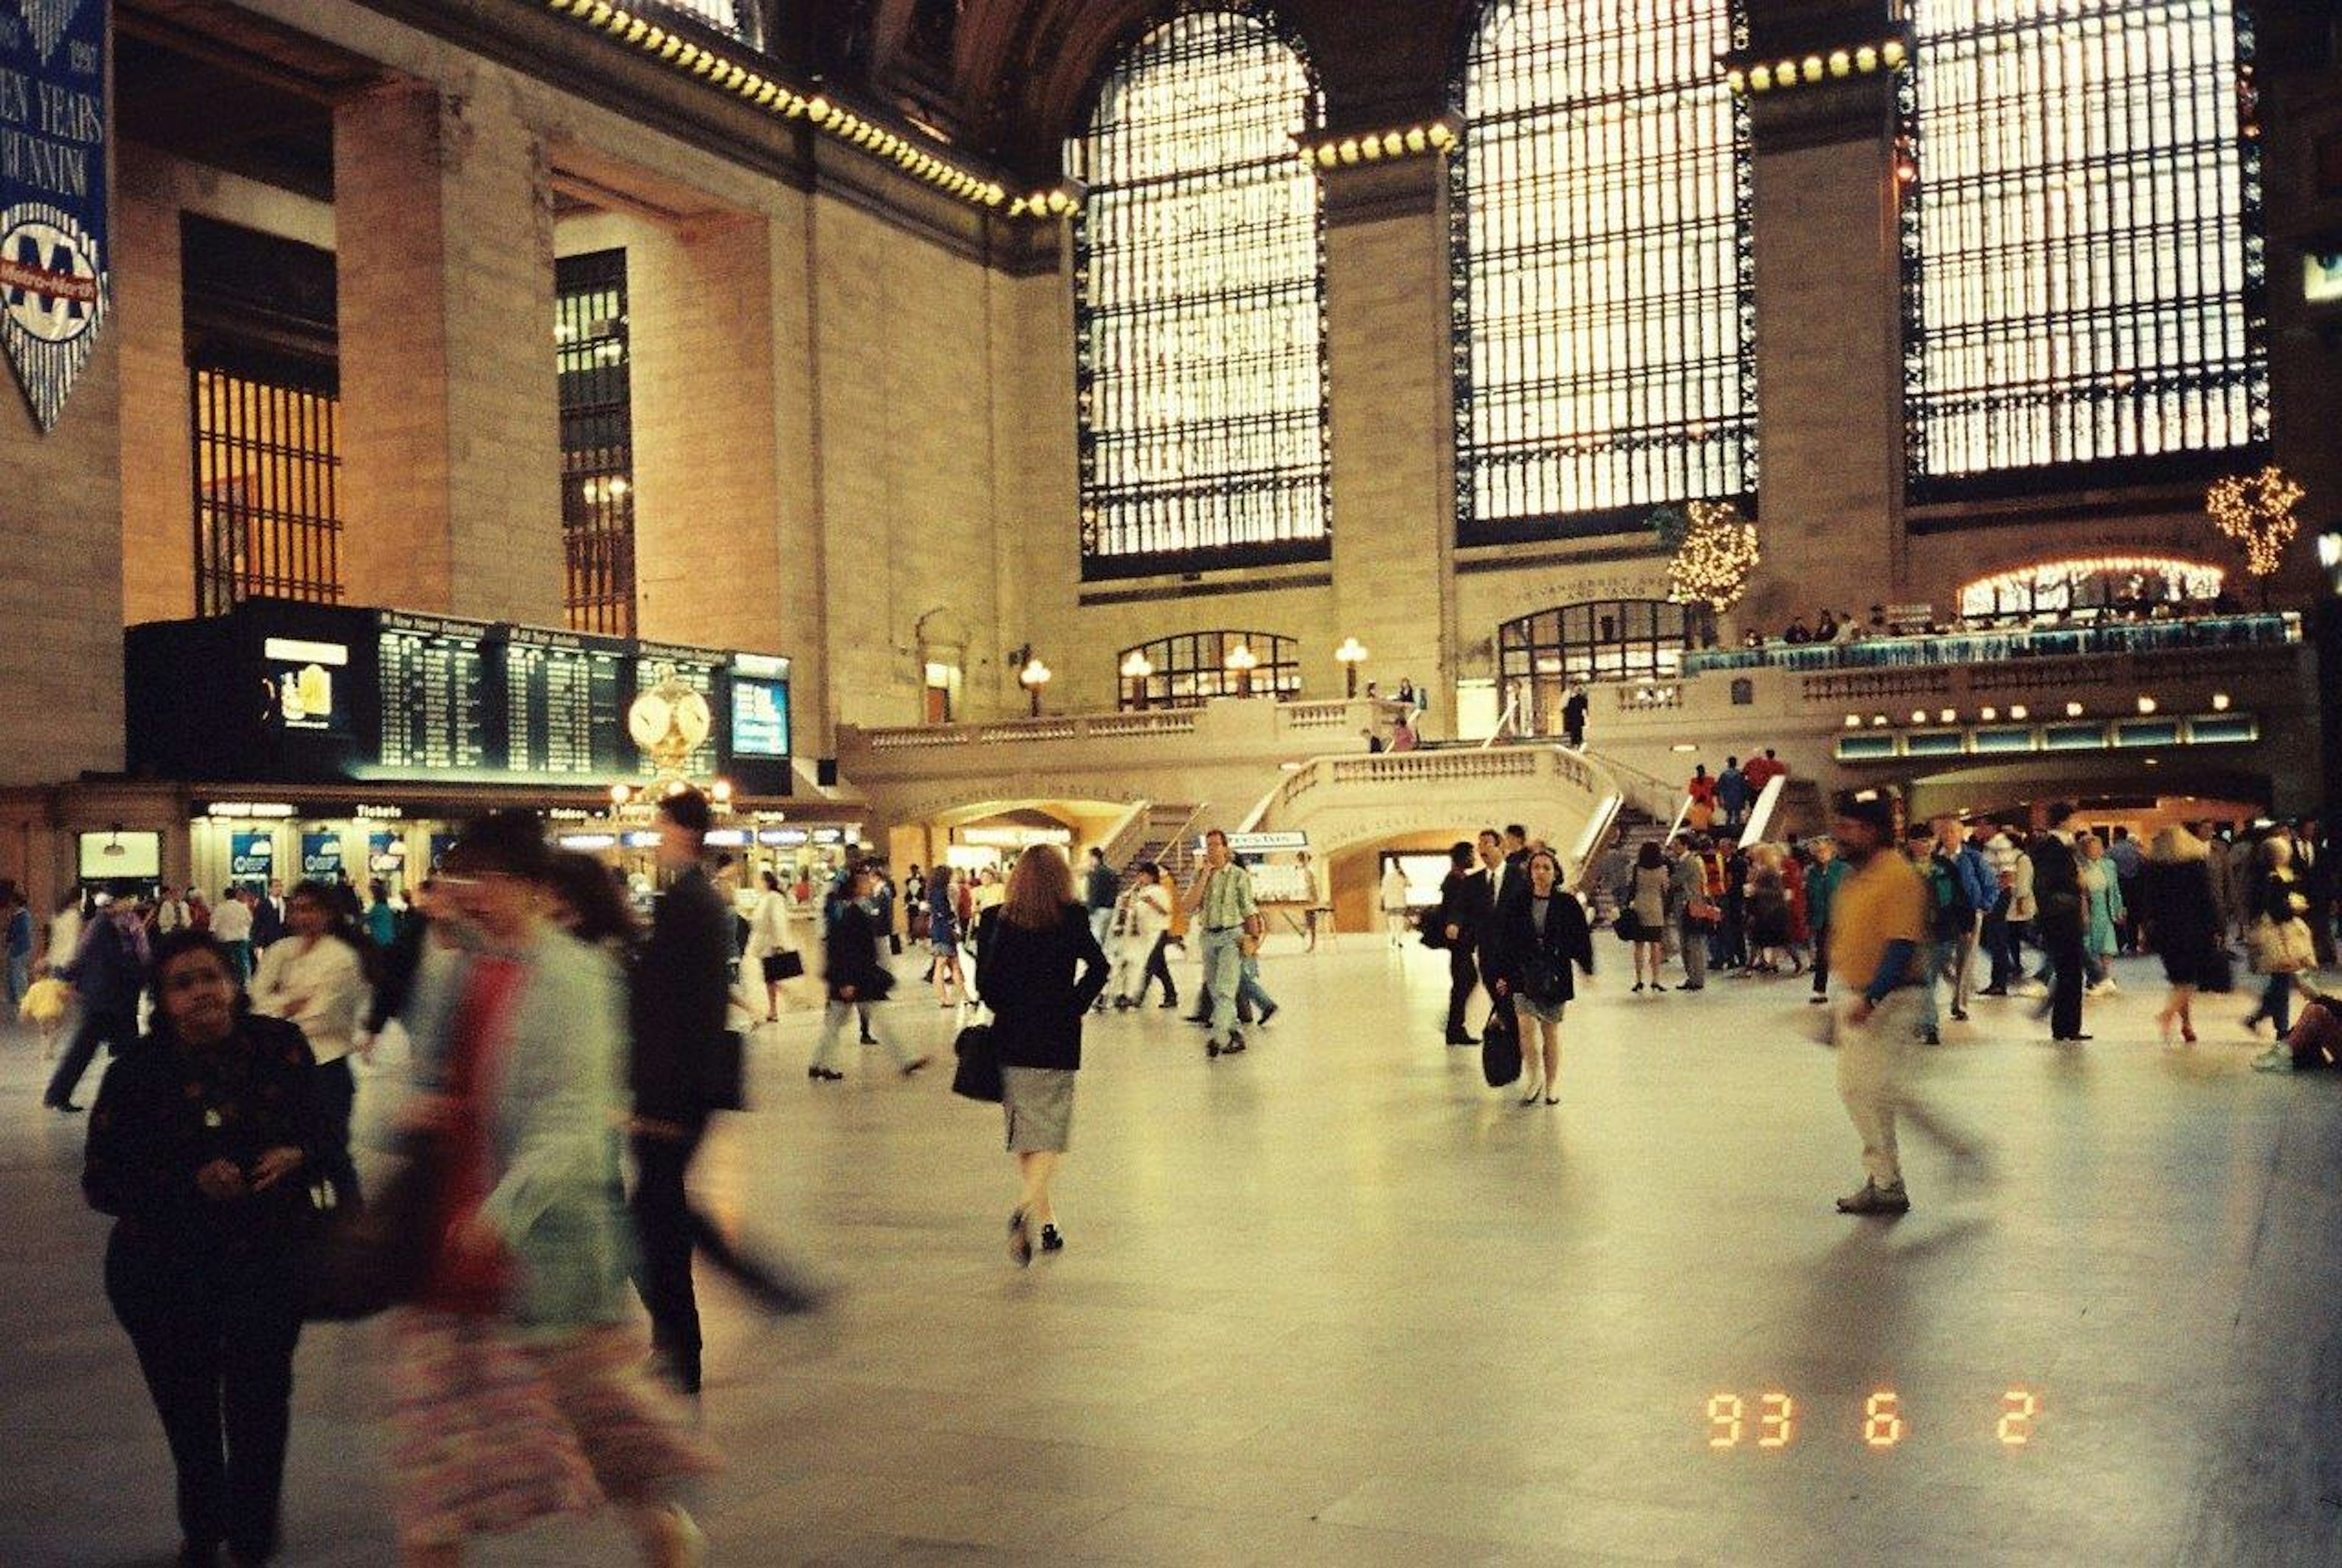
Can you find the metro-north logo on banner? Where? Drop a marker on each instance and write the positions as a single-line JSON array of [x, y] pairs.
[[54, 285]]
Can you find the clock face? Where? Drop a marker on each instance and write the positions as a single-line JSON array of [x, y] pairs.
[[648, 718], [693, 718]]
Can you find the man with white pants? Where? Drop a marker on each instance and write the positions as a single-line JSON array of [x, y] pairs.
[[1879, 932]]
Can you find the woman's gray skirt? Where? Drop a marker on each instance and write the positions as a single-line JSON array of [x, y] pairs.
[[1039, 1105]]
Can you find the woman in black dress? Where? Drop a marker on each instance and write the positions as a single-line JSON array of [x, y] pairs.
[[2183, 924], [202, 1146], [1038, 967]]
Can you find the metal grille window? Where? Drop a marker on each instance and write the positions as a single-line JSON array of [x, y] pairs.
[[1605, 322], [1541, 657], [597, 452], [1200, 293], [1193, 668], [733, 18], [2083, 255], [268, 459]]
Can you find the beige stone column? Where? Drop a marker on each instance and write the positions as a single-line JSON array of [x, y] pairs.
[[158, 481], [1393, 428], [451, 454], [1830, 351]]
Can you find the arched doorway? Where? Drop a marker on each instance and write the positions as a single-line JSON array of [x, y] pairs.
[[1539, 657], [2090, 588]]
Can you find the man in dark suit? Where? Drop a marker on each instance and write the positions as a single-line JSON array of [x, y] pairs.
[[268, 916], [1503, 862], [677, 1008], [2059, 917]]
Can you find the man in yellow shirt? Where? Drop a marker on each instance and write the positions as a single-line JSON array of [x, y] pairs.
[[1877, 935]]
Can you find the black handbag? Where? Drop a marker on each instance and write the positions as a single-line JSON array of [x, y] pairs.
[[1500, 1047], [367, 1258], [2219, 973], [977, 1077], [722, 1074], [789, 964]]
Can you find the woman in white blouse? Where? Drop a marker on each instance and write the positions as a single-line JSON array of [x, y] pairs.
[[315, 978], [770, 936], [1146, 922]]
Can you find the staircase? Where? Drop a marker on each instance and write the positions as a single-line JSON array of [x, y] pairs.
[[1168, 837], [1604, 870]]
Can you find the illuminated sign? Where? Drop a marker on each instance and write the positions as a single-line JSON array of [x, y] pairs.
[[105, 856], [248, 808], [1013, 837], [321, 855], [251, 854], [1261, 842], [1774, 1419], [379, 813]]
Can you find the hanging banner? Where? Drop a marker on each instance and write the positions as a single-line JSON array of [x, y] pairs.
[[321, 856], [54, 288], [252, 857]]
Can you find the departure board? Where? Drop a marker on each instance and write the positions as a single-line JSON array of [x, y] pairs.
[[564, 713], [433, 692], [696, 670]]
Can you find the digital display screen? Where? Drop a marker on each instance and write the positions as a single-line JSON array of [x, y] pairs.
[[760, 716], [564, 714], [1776, 1420], [434, 693]]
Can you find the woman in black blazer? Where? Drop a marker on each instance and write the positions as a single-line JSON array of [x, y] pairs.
[[1027, 953], [1541, 931], [203, 1146]]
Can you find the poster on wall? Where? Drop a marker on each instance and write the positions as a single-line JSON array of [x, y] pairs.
[[385, 854], [252, 857], [441, 843], [321, 856], [54, 288]]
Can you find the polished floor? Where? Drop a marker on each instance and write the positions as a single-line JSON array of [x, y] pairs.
[[1335, 1301]]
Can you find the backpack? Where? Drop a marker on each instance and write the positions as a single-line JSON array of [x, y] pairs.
[[1955, 911]]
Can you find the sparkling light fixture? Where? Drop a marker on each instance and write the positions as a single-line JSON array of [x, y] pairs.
[[1715, 559], [2256, 511], [1351, 655]]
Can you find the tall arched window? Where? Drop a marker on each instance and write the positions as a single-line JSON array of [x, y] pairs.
[[2083, 277], [1200, 293], [1605, 342]]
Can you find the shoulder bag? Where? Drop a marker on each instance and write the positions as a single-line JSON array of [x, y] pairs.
[[977, 1077]]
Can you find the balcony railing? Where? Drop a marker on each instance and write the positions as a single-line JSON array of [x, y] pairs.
[[1994, 647]]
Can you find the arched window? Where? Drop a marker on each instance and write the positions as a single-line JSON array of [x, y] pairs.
[[1605, 329], [1185, 671], [1199, 294], [1540, 657], [2084, 282], [2092, 587]]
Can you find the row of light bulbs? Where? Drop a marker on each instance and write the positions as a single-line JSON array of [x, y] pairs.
[[2017, 713], [1411, 141], [754, 87], [1863, 62]]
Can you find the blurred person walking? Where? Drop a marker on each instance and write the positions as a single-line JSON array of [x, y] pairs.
[[1878, 925], [1452, 920], [232, 924], [2062, 918], [2278, 940], [858, 979], [1146, 936], [1822, 883], [1039, 968], [19, 943], [315, 980], [1393, 897], [943, 934], [517, 1384], [2180, 921], [1694, 914], [1101, 891], [2106, 914], [202, 1147], [106, 972]]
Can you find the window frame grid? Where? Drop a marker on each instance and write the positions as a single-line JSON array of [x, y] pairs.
[[1272, 448], [1733, 433], [1181, 655], [598, 526], [273, 528], [1523, 642], [2116, 399]]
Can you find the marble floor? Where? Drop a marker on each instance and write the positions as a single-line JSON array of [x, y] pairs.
[[1335, 1301]]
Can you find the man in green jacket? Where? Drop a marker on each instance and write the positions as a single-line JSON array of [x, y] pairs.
[[1822, 879]]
